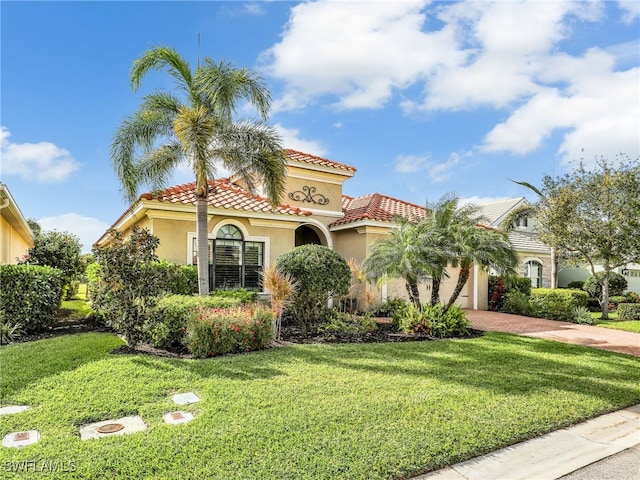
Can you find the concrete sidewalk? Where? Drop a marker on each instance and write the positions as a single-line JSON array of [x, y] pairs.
[[554, 455]]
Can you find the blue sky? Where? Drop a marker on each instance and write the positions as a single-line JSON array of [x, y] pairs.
[[424, 98]]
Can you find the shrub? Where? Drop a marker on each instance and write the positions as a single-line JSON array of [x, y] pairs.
[[216, 331], [517, 303], [241, 294], [629, 311], [617, 284], [582, 315], [593, 304], [434, 320], [173, 278], [167, 324], [30, 295], [61, 250], [500, 287], [320, 274], [557, 304], [388, 308], [633, 297], [347, 323], [618, 299], [576, 284], [497, 293], [128, 286], [9, 330]]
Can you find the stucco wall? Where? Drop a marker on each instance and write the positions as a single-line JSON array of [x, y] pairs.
[[12, 244]]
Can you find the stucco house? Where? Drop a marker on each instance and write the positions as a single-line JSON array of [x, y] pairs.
[[534, 256], [16, 237], [246, 234]]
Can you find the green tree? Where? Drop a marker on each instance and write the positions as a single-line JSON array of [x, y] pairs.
[[196, 126], [403, 254], [594, 214], [319, 274], [61, 250]]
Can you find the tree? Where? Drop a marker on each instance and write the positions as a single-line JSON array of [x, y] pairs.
[[401, 255], [196, 126], [457, 238], [61, 250], [319, 274], [595, 215]]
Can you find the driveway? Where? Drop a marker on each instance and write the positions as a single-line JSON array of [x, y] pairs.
[[598, 337]]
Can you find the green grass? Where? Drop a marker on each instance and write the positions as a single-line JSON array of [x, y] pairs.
[[613, 322], [367, 411], [75, 309]]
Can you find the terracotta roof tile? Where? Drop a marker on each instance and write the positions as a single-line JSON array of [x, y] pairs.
[[377, 207], [223, 194], [314, 160]]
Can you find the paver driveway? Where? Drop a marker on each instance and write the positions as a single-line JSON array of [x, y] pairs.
[[598, 337]]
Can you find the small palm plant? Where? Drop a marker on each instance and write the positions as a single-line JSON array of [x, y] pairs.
[[9, 332], [281, 287]]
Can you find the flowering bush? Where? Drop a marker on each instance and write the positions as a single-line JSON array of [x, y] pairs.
[[215, 331]]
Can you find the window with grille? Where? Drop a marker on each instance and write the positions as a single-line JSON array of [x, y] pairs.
[[233, 262]]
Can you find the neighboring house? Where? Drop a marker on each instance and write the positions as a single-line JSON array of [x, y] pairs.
[[631, 272], [246, 233], [16, 238], [535, 256]]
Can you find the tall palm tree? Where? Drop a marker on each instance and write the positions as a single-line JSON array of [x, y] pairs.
[[196, 126]]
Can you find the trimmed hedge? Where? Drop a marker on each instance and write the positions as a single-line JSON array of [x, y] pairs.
[[168, 323], [218, 331], [559, 303], [629, 311], [30, 295]]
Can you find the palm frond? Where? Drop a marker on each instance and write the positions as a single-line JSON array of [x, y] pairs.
[[222, 85], [529, 186], [156, 166], [160, 58]]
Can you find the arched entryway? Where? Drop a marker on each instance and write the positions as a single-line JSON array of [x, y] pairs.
[[309, 235]]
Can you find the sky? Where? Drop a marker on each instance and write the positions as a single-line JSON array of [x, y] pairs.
[[423, 98]]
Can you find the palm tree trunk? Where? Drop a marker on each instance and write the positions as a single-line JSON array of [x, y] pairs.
[[605, 293], [202, 240], [463, 276], [435, 289], [414, 294]]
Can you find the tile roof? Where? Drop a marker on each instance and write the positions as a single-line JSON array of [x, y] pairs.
[[527, 241], [223, 194], [313, 160], [495, 211], [377, 207]]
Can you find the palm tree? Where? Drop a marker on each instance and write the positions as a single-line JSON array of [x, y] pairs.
[[457, 238], [479, 245], [401, 255], [196, 126]]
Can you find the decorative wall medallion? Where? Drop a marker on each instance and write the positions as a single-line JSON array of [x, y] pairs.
[[308, 194]]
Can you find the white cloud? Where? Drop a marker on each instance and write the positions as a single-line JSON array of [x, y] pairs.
[[631, 9], [410, 163], [465, 55], [42, 162], [358, 51], [87, 229], [254, 8], [441, 172], [291, 139]]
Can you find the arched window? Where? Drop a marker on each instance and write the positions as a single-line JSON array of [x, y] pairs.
[[533, 270], [233, 262]]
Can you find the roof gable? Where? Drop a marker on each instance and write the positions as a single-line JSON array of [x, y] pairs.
[[495, 212], [317, 161]]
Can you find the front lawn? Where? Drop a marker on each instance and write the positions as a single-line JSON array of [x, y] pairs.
[[626, 325], [307, 411]]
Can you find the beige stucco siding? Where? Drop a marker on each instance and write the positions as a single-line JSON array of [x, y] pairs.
[[13, 246]]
